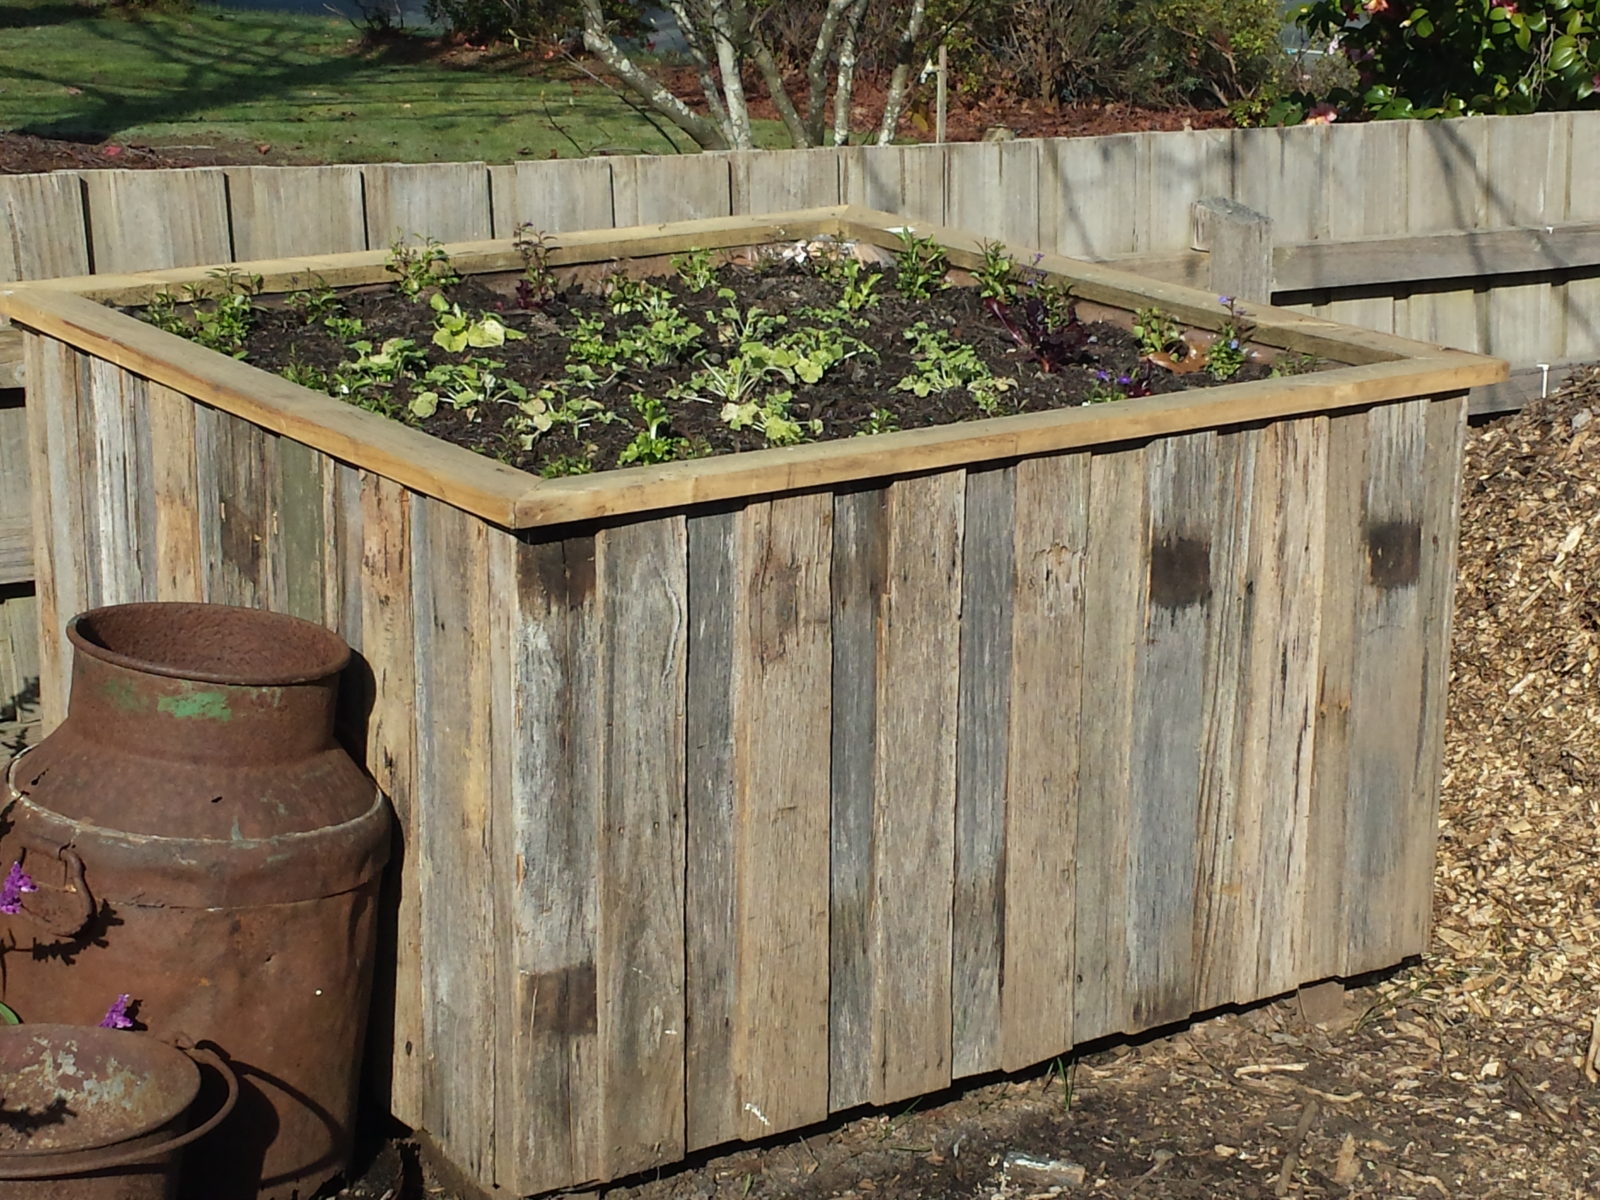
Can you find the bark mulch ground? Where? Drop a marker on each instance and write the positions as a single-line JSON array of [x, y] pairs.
[[1473, 1073]]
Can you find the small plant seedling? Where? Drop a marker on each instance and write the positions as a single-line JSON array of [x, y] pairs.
[[417, 268], [920, 266], [695, 268], [1227, 354], [879, 420], [997, 276], [1158, 333], [315, 305], [569, 464], [455, 331], [652, 444], [537, 287]]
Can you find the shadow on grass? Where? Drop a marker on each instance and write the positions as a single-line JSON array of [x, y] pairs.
[[216, 70], [24, 17]]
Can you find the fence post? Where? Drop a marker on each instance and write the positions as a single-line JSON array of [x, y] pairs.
[[1239, 240]]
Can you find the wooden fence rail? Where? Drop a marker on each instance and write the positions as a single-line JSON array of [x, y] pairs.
[[1420, 229]]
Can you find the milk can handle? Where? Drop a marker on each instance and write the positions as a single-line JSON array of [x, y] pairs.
[[82, 1164], [71, 923]]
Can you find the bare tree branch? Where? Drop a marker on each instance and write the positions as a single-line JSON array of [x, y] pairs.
[[598, 41]]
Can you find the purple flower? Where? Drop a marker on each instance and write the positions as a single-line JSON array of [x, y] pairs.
[[1225, 301], [1124, 380], [1233, 343], [117, 1015], [16, 883], [1103, 376]]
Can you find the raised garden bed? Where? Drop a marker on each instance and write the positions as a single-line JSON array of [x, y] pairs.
[[742, 790]]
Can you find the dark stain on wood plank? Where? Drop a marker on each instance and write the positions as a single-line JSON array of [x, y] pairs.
[[1180, 571], [1394, 553], [563, 1001]]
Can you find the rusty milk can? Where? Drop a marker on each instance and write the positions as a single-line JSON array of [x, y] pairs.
[[201, 843]]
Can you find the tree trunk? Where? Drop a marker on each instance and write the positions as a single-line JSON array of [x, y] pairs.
[[844, 87], [703, 130], [894, 105]]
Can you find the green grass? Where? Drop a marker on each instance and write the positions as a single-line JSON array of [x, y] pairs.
[[303, 85]]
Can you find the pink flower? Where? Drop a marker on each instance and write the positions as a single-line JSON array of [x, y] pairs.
[[1322, 114], [1509, 6], [17, 882], [117, 1015], [1376, 6]]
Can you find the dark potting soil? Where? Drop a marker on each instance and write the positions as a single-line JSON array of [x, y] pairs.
[[844, 401]]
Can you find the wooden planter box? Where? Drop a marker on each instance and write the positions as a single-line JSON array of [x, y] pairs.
[[743, 791]]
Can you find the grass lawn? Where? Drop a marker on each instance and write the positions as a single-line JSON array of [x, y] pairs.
[[303, 85]]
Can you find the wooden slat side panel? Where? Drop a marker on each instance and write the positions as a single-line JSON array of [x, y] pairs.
[[717, 572], [1226, 877], [552, 1103], [766, 182], [1445, 189], [914, 805], [1041, 855], [147, 220], [298, 568], [1176, 169], [641, 572], [1579, 311], [179, 566], [1327, 891], [409, 201], [1169, 714], [909, 180], [1446, 437], [19, 606], [454, 865], [1116, 579], [978, 915], [859, 573], [280, 212], [781, 728], [552, 196], [1386, 699], [1288, 525], [386, 646], [992, 188], [1076, 176], [1376, 150], [42, 231], [651, 189], [238, 464], [60, 381], [1531, 151]]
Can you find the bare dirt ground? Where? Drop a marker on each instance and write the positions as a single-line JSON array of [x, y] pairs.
[[1473, 1073]]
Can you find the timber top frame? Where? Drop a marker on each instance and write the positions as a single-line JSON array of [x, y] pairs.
[[1381, 367]]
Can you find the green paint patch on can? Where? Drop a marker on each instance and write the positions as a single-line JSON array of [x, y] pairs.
[[200, 706]]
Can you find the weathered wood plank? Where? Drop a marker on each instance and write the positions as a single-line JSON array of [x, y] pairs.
[[1533, 153], [1579, 309], [300, 536], [179, 568], [711, 964], [42, 230], [1076, 176], [1322, 935], [765, 182], [552, 196], [983, 718], [642, 579], [147, 220], [1371, 151], [1116, 581], [387, 648], [1169, 713], [1041, 850], [1446, 438], [914, 806], [651, 190], [455, 770], [276, 212], [1278, 724], [55, 438], [237, 463], [409, 201], [860, 576], [1387, 693], [908, 180], [1174, 170], [1445, 189], [1225, 870], [781, 775], [992, 189], [552, 1106]]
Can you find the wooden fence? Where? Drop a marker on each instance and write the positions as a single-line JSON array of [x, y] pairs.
[[1358, 216]]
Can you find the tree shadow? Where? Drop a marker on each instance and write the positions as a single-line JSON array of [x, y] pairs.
[[216, 71], [43, 14]]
